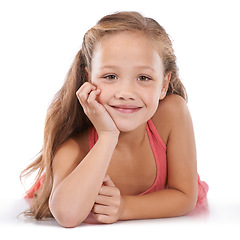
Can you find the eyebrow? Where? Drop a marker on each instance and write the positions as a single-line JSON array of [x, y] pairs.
[[140, 67], [109, 66]]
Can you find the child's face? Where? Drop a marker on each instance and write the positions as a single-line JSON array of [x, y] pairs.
[[129, 73]]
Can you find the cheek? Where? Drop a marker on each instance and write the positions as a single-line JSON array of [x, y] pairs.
[[153, 100], [153, 95]]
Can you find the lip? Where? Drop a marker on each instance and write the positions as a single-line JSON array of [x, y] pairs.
[[126, 108]]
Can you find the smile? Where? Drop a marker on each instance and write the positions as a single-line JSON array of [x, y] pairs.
[[126, 108]]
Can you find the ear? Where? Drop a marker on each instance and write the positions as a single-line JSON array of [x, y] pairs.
[[164, 90], [88, 74]]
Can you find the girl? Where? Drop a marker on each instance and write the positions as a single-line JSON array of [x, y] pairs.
[[118, 139]]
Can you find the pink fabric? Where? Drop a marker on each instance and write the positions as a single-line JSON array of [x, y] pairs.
[[36, 186]]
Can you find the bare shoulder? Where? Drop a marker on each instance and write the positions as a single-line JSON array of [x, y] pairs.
[[73, 147], [174, 124], [172, 103], [68, 156], [171, 111]]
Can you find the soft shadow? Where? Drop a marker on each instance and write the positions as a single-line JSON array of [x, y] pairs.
[[201, 211]]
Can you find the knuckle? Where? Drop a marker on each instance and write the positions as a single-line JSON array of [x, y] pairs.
[[98, 198], [90, 100], [96, 208], [98, 218], [81, 95]]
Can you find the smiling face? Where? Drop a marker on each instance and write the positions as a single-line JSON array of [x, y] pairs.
[[129, 72]]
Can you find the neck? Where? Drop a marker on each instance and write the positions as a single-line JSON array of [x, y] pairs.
[[133, 139]]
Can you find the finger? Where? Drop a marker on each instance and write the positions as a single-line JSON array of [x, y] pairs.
[[101, 209], [103, 200], [86, 87], [103, 218], [93, 105], [83, 95], [84, 91], [109, 191], [92, 98], [105, 191], [108, 182]]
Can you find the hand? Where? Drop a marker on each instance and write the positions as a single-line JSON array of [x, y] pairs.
[[109, 203], [95, 111]]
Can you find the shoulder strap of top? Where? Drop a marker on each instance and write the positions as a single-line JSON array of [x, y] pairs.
[[159, 152], [155, 135]]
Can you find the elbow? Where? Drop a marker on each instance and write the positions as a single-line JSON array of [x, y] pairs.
[[68, 221], [67, 218], [185, 204], [190, 204]]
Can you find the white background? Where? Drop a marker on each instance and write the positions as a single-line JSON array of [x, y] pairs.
[[38, 42]]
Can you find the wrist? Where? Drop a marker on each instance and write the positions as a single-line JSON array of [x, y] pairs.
[[124, 211], [109, 137]]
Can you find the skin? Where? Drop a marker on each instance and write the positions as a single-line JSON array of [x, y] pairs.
[[126, 87]]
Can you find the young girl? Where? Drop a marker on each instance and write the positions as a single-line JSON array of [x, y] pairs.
[[118, 140]]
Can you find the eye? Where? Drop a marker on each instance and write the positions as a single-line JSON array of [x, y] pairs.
[[110, 77], [144, 78]]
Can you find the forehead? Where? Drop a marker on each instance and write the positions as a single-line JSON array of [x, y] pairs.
[[126, 48]]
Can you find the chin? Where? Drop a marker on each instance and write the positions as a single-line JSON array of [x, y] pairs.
[[128, 127], [125, 127]]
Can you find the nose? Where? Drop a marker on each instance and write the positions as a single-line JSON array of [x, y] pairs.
[[125, 91]]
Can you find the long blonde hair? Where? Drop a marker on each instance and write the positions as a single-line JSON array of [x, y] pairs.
[[65, 117]]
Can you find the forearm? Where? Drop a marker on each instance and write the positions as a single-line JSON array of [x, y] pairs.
[[73, 198], [160, 204]]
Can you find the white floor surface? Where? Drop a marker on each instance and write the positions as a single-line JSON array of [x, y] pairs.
[[218, 219]]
